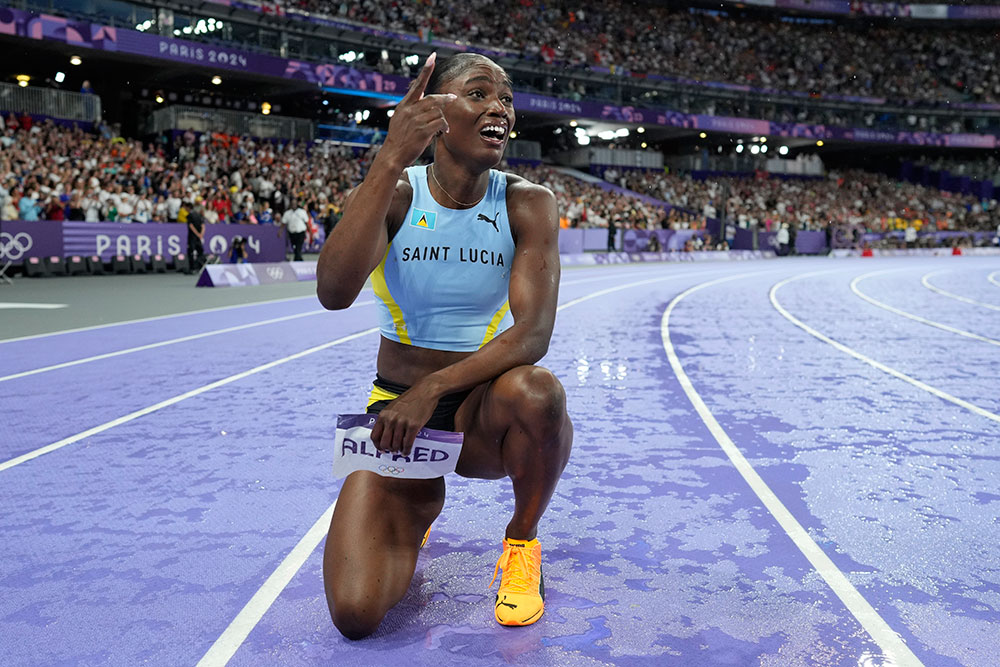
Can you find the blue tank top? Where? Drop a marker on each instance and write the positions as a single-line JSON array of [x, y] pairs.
[[443, 283]]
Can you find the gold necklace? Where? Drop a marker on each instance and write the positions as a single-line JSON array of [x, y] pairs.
[[430, 168]]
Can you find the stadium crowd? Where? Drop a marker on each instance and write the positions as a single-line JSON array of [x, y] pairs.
[[52, 172], [852, 198], [898, 63]]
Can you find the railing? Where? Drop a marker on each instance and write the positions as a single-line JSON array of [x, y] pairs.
[[50, 102], [352, 136], [199, 119]]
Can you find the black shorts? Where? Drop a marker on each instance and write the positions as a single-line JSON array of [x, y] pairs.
[[443, 418]]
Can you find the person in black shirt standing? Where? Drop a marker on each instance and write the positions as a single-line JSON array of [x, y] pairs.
[[196, 237]]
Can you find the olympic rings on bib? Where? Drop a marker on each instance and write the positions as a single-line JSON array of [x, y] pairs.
[[391, 470]]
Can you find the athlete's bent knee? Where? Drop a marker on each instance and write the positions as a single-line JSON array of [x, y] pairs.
[[540, 402], [354, 621]]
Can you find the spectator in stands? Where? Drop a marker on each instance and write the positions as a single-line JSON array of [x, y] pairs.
[[9, 210], [28, 207], [53, 210], [74, 211]]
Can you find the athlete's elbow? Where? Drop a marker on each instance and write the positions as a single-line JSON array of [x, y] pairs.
[[537, 347], [333, 299]]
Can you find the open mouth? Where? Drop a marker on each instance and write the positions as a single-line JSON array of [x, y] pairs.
[[494, 134]]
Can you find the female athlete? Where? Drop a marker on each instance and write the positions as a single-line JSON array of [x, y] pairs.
[[464, 262]]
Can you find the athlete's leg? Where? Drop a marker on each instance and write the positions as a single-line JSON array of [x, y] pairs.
[[371, 550], [517, 426]]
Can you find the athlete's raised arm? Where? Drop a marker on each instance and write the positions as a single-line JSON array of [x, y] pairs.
[[358, 242]]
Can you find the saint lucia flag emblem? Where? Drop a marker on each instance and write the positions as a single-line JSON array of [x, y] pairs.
[[423, 219]]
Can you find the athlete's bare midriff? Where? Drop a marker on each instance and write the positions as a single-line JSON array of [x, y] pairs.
[[405, 364]]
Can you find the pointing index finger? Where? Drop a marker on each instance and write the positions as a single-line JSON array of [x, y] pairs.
[[419, 84]]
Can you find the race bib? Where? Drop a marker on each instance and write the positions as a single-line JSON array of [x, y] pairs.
[[434, 454]]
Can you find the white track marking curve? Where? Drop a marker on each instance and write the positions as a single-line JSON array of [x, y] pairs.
[[151, 346], [174, 400], [239, 629], [888, 640], [773, 295], [225, 647], [958, 297], [915, 318], [195, 312], [153, 319], [994, 278], [214, 332]]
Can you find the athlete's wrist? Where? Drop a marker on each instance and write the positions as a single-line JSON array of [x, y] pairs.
[[432, 386], [390, 161]]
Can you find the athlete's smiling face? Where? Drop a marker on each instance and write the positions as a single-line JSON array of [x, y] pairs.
[[482, 116]]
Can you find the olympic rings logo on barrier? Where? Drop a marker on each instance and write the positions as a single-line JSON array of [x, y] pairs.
[[15, 246], [275, 272], [391, 470]]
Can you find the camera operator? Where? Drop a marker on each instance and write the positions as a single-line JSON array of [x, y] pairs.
[[238, 253]]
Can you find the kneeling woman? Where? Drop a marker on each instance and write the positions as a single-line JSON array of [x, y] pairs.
[[464, 261]]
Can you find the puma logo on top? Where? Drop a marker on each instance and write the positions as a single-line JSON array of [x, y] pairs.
[[492, 222]]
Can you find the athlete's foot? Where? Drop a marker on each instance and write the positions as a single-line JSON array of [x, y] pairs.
[[520, 599]]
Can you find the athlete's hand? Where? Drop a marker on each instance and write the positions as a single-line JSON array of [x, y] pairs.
[[399, 422], [417, 120]]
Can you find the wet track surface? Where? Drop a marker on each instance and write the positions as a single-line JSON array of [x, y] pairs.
[[170, 500]]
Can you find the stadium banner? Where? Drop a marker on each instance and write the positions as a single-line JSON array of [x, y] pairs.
[[16, 22], [629, 114], [20, 239], [817, 6], [265, 273], [967, 12], [600, 258]]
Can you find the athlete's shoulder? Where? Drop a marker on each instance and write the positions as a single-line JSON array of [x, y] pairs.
[[521, 190]]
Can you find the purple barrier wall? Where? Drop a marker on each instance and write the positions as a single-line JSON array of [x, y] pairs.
[[807, 242], [570, 241], [20, 240], [810, 242], [265, 243]]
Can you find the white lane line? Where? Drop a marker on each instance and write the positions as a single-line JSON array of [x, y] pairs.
[[172, 341], [14, 305], [204, 310], [183, 339], [915, 318], [152, 319], [896, 651], [926, 283], [233, 637], [993, 278], [773, 295], [173, 400], [239, 629], [239, 376]]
